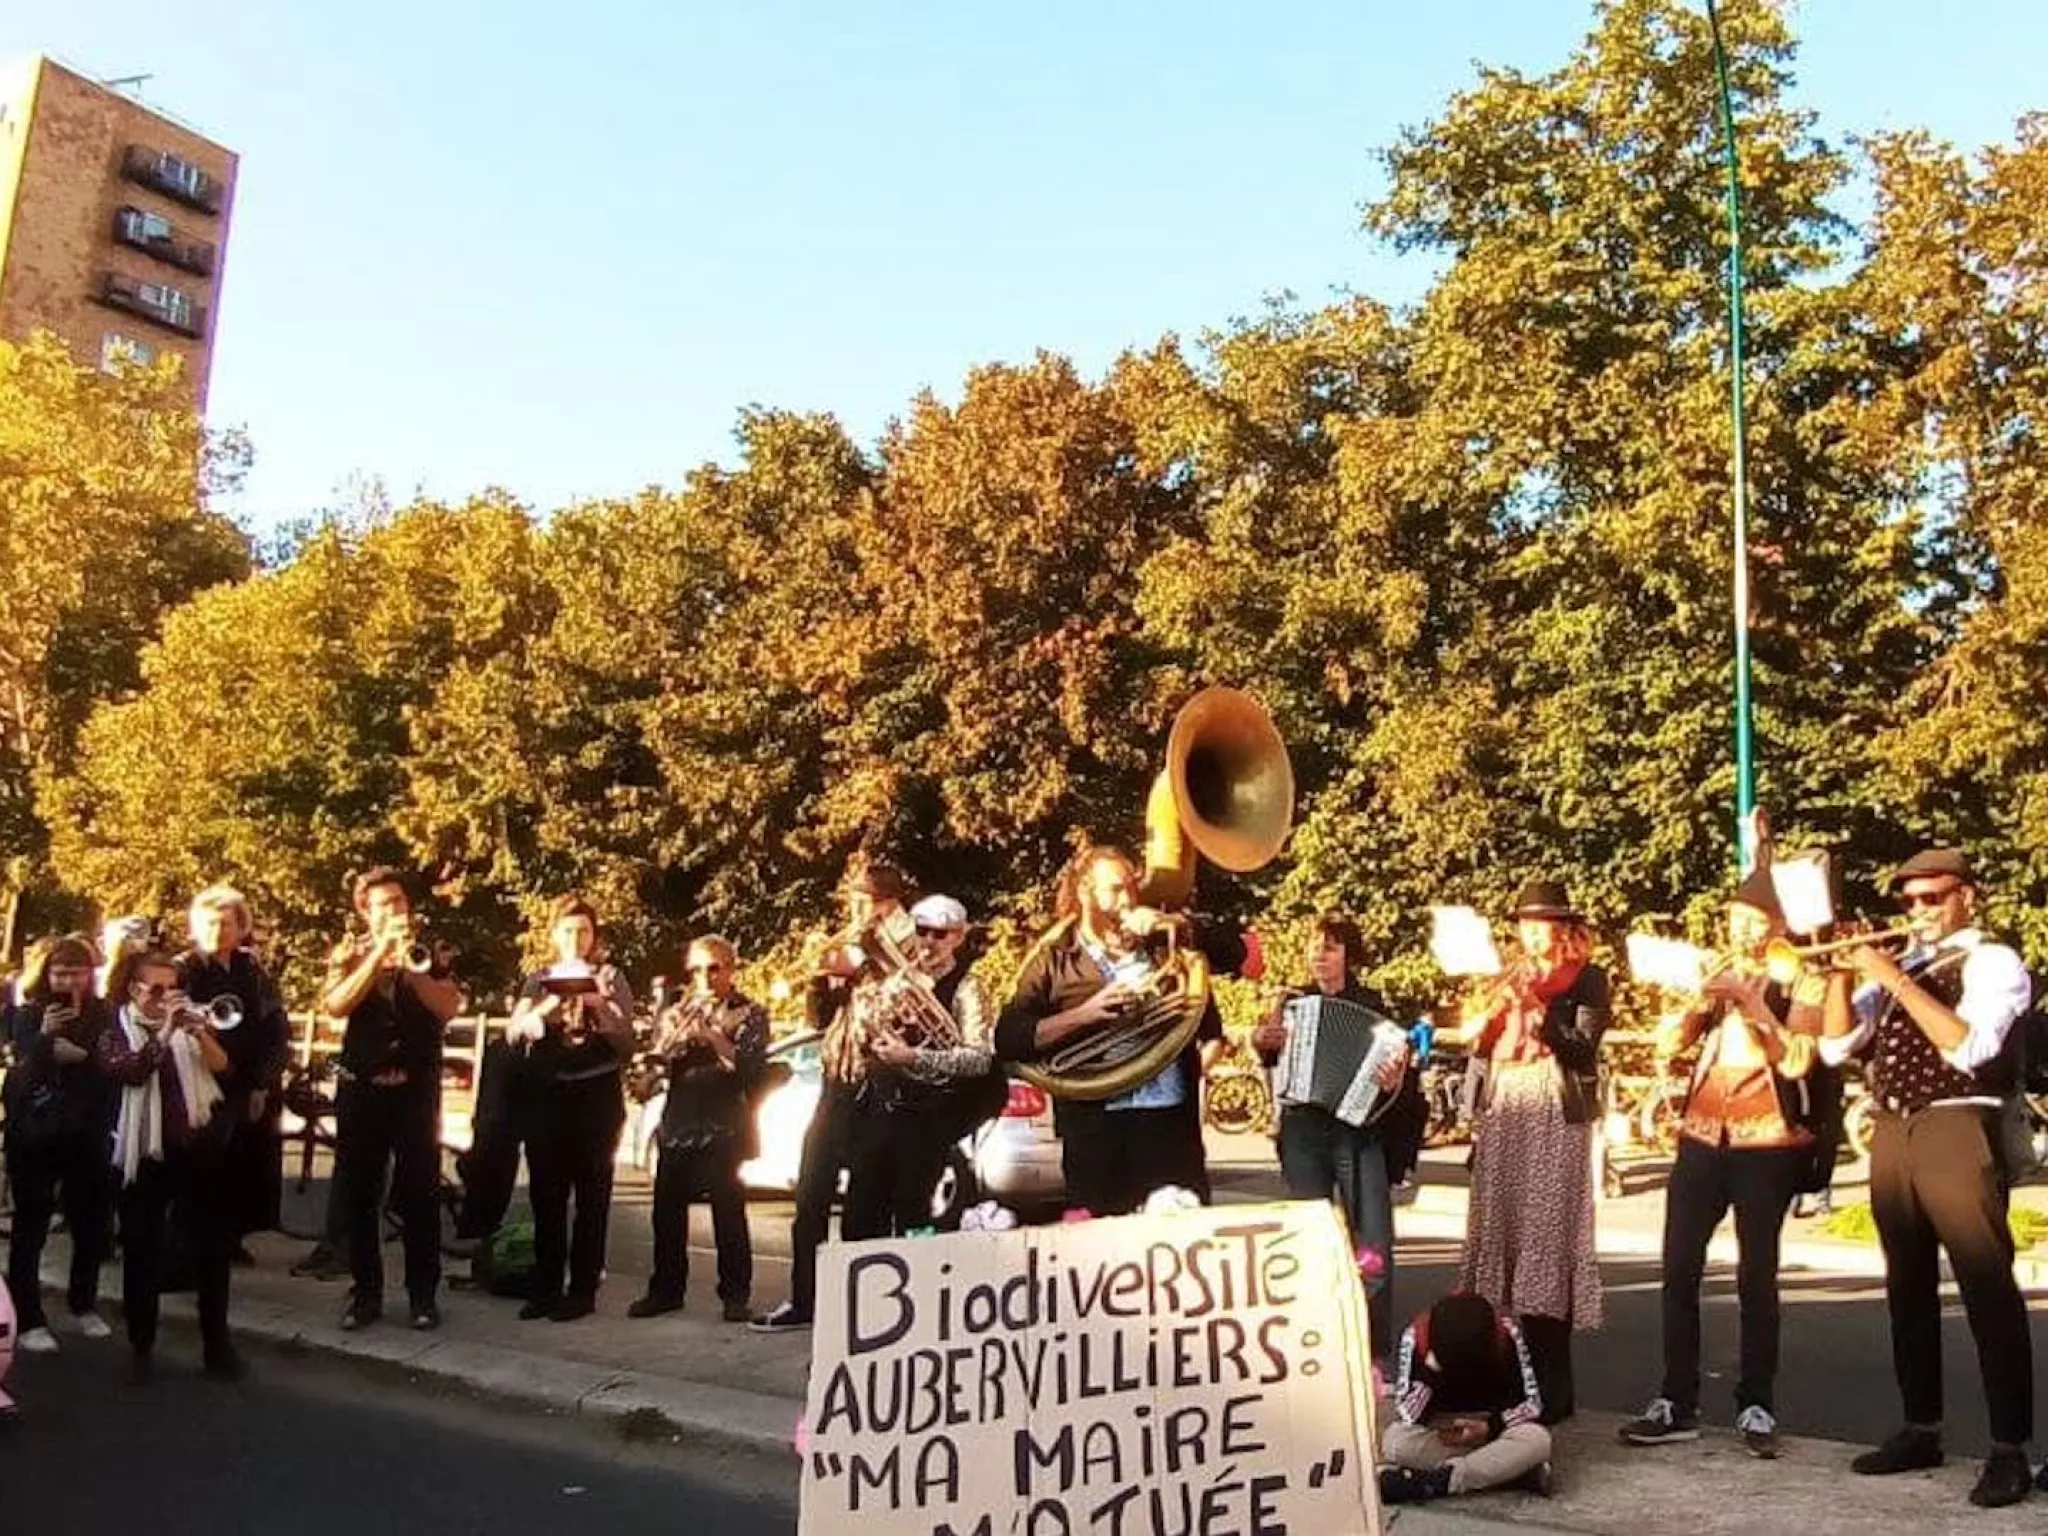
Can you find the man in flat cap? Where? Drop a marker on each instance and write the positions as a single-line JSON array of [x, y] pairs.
[[1934, 1027]]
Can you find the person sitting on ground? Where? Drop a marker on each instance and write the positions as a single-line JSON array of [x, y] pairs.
[[1467, 1410]]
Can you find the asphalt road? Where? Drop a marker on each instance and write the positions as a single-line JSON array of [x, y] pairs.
[[1835, 1366], [311, 1447]]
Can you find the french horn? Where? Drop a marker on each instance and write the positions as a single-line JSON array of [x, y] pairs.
[[1226, 794]]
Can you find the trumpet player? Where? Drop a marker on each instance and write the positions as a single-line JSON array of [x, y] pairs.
[[715, 1042], [60, 1111], [1745, 1141], [930, 1080], [873, 893], [1529, 1245], [575, 1021], [1087, 971], [394, 996], [169, 1142], [1935, 1030], [221, 964]]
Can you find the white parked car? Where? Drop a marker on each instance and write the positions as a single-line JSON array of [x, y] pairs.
[[1014, 1158]]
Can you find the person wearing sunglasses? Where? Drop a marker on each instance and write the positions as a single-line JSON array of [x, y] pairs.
[[169, 1149], [923, 1098], [1934, 1027], [715, 1044]]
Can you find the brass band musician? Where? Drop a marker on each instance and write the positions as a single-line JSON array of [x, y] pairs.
[[394, 997], [1087, 971], [715, 1043]]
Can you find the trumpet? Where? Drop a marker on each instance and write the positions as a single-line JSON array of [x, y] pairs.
[[692, 1013], [223, 1015], [1893, 935]]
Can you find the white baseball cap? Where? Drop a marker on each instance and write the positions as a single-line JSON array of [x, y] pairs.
[[939, 912]]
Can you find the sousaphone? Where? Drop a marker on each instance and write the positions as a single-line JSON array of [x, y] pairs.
[[1226, 794]]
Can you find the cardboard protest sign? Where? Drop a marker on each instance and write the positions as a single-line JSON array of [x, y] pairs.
[[1196, 1371]]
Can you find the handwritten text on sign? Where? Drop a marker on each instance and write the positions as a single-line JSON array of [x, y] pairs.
[[1199, 1373]]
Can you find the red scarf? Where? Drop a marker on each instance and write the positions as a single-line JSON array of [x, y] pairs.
[[1521, 1028]]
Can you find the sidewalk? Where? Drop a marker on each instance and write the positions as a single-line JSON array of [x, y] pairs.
[[690, 1376]]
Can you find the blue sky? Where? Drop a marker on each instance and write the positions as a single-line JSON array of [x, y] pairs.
[[557, 248]]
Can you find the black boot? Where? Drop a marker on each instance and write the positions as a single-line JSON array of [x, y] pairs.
[[1550, 1354]]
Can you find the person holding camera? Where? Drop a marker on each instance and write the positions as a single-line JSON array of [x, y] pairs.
[[715, 1043], [169, 1145], [60, 1109], [574, 1020], [394, 996]]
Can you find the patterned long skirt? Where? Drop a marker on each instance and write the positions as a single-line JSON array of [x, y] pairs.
[[1529, 1246]]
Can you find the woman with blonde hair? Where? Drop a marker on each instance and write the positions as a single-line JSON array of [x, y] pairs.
[[218, 964]]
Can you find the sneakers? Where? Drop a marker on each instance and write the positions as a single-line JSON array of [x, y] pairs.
[[1405, 1485], [1908, 1450], [36, 1341], [1812, 1207], [786, 1318], [1759, 1432], [426, 1316], [1661, 1424], [361, 1311], [91, 1325], [2006, 1479]]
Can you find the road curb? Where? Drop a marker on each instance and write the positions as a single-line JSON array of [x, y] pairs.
[[704, 1414]]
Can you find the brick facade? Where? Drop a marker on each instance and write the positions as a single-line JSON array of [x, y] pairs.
[[73, 155]]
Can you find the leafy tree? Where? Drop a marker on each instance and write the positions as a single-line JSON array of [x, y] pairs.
[[104, 523], [1956, 289]]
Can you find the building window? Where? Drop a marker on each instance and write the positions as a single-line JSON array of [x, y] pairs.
[[173, 177], [118, 351], [144, 228], [173, 304]]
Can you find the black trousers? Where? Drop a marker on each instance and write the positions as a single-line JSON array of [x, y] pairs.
[[1550, 1357], [571, 1148], [255, 1169], [191, 1181], [1937, 1182], [1113, 1160], [898, 1155], [68, 1172], [1759, 1183], [712, 1171], [395, 1128], [490, 1168], [828, 1148]]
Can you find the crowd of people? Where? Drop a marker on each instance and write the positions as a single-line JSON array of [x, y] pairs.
[[146, 1085]]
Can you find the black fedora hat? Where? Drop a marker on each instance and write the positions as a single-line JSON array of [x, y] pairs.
[[1545, 898]]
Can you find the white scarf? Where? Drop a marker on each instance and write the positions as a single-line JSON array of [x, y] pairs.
[[139, 1133]]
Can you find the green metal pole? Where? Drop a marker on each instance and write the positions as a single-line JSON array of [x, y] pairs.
[[1745, 770]]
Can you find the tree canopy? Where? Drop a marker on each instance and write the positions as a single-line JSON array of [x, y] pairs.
[[1473, 553]]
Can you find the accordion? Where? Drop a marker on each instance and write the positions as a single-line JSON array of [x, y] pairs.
[[1334, 1053]]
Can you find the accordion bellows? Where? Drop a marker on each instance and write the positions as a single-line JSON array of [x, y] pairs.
[[1334, 1052]]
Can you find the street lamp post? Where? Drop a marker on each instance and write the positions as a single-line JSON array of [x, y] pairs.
[[1745, 774]]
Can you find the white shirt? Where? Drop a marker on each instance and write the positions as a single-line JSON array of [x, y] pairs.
[[1996, 991]]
